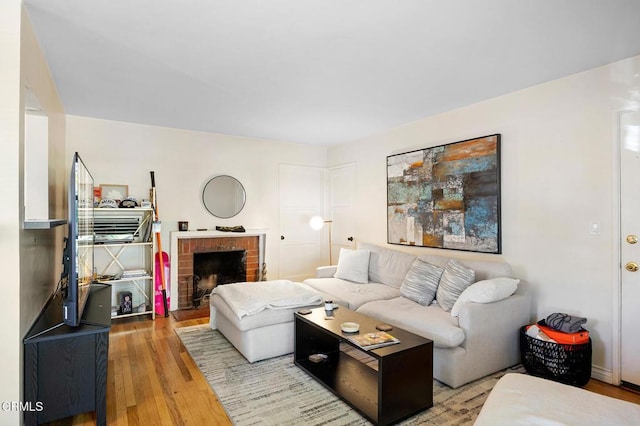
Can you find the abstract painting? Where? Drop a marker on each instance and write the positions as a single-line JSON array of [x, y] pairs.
[[446, 196]]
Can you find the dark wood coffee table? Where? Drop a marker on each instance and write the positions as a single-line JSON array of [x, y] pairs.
[[402, 384]]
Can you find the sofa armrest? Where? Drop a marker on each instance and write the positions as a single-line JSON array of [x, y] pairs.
[[326, 271], [492, 328]]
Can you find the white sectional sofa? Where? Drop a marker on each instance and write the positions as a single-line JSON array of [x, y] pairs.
[[481, 339]]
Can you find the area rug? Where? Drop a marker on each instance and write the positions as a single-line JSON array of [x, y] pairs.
[[276, 392]]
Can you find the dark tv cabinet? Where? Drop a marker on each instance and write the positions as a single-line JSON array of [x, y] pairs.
[[65, 368]]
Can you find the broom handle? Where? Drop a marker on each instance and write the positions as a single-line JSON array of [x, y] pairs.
[[159, 242]]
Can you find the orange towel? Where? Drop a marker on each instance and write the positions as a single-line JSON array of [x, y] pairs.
[[566, 338]]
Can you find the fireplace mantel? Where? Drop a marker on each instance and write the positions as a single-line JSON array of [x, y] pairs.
[[176, 236]]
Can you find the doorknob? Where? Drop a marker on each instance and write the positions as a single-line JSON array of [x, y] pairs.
[[282, 237], [631, 267], [350, 238], [632, 239]]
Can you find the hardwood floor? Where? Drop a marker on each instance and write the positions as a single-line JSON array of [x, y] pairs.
[[613, 391], [152, 380]]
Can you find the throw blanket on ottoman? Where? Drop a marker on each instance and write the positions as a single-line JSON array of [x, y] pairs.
[[251, 298]]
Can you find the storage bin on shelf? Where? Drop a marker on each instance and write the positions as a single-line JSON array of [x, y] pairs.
[[565, 363]]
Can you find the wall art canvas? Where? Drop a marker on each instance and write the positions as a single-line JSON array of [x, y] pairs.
[[446, 196]]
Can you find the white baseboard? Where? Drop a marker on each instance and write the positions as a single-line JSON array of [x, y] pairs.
[[602, 374]]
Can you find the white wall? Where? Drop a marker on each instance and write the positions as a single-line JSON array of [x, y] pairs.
[[183, 162], [28, 257], [9, 213], [41, 251], [557, 177]]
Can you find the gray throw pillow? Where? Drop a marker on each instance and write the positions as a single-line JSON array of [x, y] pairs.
[[455, 279], [421, 282]]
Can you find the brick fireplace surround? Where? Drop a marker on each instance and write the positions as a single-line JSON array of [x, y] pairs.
[[185, 243]]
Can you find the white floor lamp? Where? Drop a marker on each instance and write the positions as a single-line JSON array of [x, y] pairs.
[[317, 223]]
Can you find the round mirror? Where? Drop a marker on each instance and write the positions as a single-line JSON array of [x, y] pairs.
[[224, 196]]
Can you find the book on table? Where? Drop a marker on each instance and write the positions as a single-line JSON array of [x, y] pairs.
[[373, 340]]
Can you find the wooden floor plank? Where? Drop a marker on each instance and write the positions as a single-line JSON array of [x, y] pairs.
[[132, 416], [160, 384], [613, 391], [153, 380], [165, 386], [145, 380], [129, 366]]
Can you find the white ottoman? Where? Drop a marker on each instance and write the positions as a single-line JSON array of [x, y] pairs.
[[520, 399], [267, 333]]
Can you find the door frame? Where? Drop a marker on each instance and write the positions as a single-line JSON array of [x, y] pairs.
[[319, 243], [616, 350], [616, 321], [330, 205]]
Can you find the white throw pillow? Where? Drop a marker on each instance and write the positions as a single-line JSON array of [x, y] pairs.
[[486, 291], [353, 265]]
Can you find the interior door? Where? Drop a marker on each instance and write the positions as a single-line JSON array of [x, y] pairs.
[[341, 188], [302, 191], [629, 245]]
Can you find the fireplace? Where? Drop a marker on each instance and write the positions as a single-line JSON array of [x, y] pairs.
[[211, 269], [188, 246]]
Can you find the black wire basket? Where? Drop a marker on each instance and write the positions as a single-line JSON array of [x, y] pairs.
[[568, 364]]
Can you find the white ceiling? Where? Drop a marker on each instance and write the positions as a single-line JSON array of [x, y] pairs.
[[316, 71]]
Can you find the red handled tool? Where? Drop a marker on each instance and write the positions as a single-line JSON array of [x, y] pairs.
[[162, 257]]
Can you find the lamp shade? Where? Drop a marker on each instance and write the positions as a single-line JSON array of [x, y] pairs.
[[316, 222]]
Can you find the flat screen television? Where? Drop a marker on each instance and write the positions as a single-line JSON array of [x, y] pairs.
[[78, 257]]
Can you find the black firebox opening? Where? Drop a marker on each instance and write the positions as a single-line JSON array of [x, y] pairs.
[[216, 268]]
